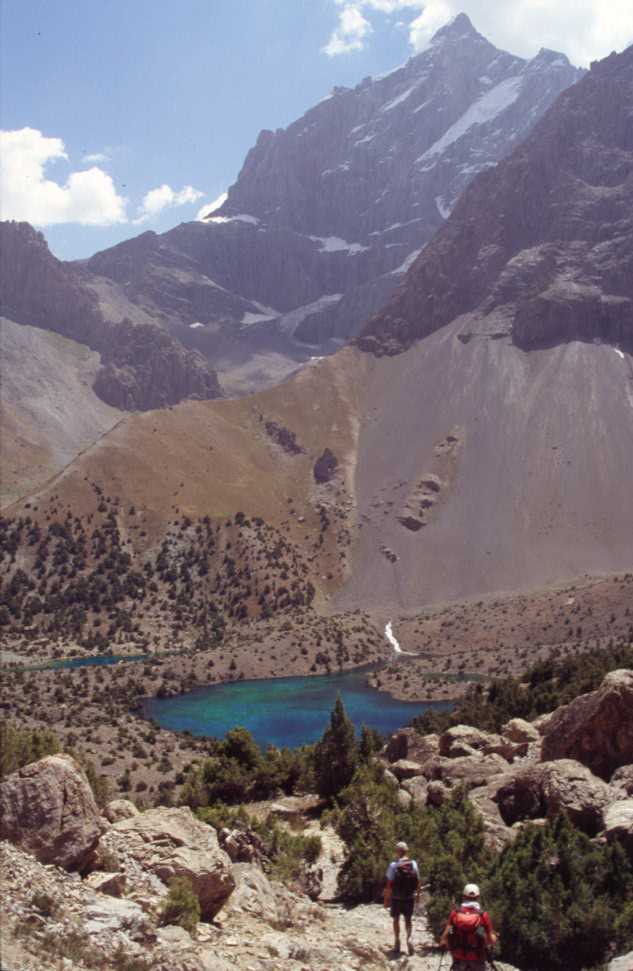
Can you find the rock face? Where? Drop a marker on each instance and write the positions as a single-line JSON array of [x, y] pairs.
[[327, 214], [549, 788], [143, 366], [618, 823], [48, 809], [540, 248], [597, 728], [168, 843]]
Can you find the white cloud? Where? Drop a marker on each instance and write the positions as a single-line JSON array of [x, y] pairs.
[[585, 30], [164, 197], [88, 197], [210, 207], [93, 158], [350, 33]]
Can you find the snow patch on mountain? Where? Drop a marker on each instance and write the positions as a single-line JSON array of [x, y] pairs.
[[334, 244], [401, 97], [442, 208], [484, 109], [240, 218], [410, 260], [290, 321]]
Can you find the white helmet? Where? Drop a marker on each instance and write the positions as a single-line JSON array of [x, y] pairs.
[[471, 891]]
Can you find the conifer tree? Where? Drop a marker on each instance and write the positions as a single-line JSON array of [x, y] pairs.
[[336, 755]]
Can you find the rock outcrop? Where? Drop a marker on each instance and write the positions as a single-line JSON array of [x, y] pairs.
[[143, 366], [618, 823], [539, 248], [597, 728], [48, 809], [160, 844], [546, 789]]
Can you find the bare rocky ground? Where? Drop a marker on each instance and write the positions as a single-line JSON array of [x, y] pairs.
[[503, 635]]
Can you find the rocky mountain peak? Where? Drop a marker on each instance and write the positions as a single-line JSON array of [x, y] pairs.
[[459, 28], [540, 248]]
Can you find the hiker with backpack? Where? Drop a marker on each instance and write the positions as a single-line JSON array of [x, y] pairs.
[[469, 934], [401, 892]]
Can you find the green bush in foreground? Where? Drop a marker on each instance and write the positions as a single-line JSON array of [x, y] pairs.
[[181, 906], [559, 901], [446, 842]]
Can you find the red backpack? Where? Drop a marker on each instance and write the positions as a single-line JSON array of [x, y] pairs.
[[468, 933]]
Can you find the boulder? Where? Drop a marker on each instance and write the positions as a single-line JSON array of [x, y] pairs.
[[618, 823], [242, 846], [497, 833], [110, 915], [471, 770], [416, 789], [118, 809], [406, 769], [390, 778], [253, 894], [112, 884], [409, 744], [622, 780], [541, 723], [437, 793], [48, 809], [168, 843], [553, 787], [519, 730], [595, 729], [404, 798], [463, 740]]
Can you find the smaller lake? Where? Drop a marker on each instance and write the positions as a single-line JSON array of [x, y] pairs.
[[284, 711]]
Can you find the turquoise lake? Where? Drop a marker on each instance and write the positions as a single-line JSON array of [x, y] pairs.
[[283, 711]]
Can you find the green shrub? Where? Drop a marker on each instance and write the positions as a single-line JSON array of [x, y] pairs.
[[181, 906], [447, 842], [21, 746], [558, 900]]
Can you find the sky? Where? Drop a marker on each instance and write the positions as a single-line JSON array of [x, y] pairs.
[[135, 115]]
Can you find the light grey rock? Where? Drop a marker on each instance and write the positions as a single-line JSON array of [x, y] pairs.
[[118, 809], [48, 809], [596, 728], [618, 822], [168, 843], [406, 769], [519, 730]]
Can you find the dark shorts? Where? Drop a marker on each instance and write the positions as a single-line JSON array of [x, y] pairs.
[[402, 908]]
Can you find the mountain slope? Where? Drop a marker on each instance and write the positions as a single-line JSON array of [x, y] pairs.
[[327, 214], [142, 366], [49, 410]]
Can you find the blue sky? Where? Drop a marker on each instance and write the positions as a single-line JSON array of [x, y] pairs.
[[113, 103]]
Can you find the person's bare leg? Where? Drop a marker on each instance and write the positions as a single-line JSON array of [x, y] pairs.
[[409, 929], [396, 933]]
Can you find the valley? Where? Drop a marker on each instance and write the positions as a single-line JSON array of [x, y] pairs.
[[355, 444]]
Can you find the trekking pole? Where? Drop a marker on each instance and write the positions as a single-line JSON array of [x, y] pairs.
[[490, 961]]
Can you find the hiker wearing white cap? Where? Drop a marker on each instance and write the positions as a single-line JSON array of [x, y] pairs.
[[401, 891], [469, 934]]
